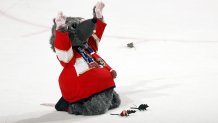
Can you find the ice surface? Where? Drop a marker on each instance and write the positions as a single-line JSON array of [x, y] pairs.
[[173, 67]]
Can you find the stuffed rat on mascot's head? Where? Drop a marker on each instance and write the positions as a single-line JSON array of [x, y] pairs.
[[87, 81]]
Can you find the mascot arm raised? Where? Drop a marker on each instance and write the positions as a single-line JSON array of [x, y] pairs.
[[95, 38], [62, 43], [100, 26]]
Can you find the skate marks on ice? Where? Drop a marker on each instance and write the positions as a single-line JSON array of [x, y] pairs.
[[139, 40], [26, 22], [143, 89], [48, 104], [46, 116]]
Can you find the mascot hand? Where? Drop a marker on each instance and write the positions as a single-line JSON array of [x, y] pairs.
[[113, 73], [98, 9], [60, 20]]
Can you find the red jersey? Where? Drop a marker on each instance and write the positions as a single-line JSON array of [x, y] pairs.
[[77, 81]]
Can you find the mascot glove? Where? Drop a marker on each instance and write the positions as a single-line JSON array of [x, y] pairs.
[[113, 73], [98, 9], [60, 20]]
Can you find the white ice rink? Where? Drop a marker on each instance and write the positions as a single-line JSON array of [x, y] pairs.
[[173, 67]]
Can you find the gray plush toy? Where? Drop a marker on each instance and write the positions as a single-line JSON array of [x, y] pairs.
[[79, 30]]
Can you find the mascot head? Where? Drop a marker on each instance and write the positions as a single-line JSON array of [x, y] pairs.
[[79, 30]]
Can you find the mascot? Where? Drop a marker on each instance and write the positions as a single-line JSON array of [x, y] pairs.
[[86, 81]]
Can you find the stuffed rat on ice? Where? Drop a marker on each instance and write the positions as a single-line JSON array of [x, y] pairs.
[[86, 81]]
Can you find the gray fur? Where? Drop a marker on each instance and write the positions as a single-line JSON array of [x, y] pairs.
[[70, 25], [52, 38], [99, 104], [115, 101]]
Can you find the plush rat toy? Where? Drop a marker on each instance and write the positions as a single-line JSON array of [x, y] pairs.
[[86, 81]]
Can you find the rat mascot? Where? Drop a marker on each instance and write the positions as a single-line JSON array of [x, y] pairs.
[[86, 81]]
